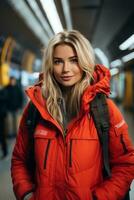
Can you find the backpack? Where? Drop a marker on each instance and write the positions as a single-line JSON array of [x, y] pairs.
[[98, 108]]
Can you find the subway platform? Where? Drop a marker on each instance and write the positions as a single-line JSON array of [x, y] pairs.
[[6, 192]]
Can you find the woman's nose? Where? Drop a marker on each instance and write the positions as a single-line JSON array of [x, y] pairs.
[[66, 66]]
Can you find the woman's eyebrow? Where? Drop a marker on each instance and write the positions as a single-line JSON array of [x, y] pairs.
[[71, 57], [56, 58]]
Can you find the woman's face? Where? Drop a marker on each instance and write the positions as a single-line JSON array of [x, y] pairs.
[[66, 68]]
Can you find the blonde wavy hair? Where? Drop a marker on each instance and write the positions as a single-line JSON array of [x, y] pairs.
[[50, 89]]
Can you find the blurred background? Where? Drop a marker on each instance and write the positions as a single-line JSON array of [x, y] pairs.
[[26, 26]]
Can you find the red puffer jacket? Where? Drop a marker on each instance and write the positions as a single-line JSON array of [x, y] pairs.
[[70, 168]]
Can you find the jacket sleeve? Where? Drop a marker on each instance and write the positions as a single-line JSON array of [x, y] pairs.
[[121, 153], [21, 176]]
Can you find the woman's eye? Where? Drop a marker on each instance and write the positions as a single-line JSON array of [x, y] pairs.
[[75, 60], [57, 62]]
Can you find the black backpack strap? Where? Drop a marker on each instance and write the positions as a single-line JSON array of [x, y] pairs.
[[32, 117], [100, 114], [31, 120]]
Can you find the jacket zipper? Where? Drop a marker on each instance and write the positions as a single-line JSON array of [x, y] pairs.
[[70, 154], [61, 103], [46, 153], [123, 144]]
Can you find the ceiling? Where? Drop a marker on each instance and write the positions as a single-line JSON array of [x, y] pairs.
[[106, 23]]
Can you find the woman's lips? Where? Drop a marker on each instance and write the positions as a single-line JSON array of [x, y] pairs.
[[66, 78]]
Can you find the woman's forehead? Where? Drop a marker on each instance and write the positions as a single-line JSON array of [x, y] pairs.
[[64, 50]]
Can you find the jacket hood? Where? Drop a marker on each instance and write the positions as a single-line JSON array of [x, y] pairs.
[[100, 83]]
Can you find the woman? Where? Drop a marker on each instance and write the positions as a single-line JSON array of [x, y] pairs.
[[68, 156]]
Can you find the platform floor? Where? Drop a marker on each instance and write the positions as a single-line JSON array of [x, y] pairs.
[[6, 192]]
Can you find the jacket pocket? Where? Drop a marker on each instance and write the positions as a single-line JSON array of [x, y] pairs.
[[120, 130], [83, 153], [118, 139], [70, 153], [46, 153], [120, 133]]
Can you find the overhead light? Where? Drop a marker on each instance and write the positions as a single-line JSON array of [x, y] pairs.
[[35, 75], [116, 63], [33, 4], [131, 47], [27, 15], [24, 78], [128, 57], [103, 58], [127, 43], [66, 10], [114, 71], [52, 15]]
